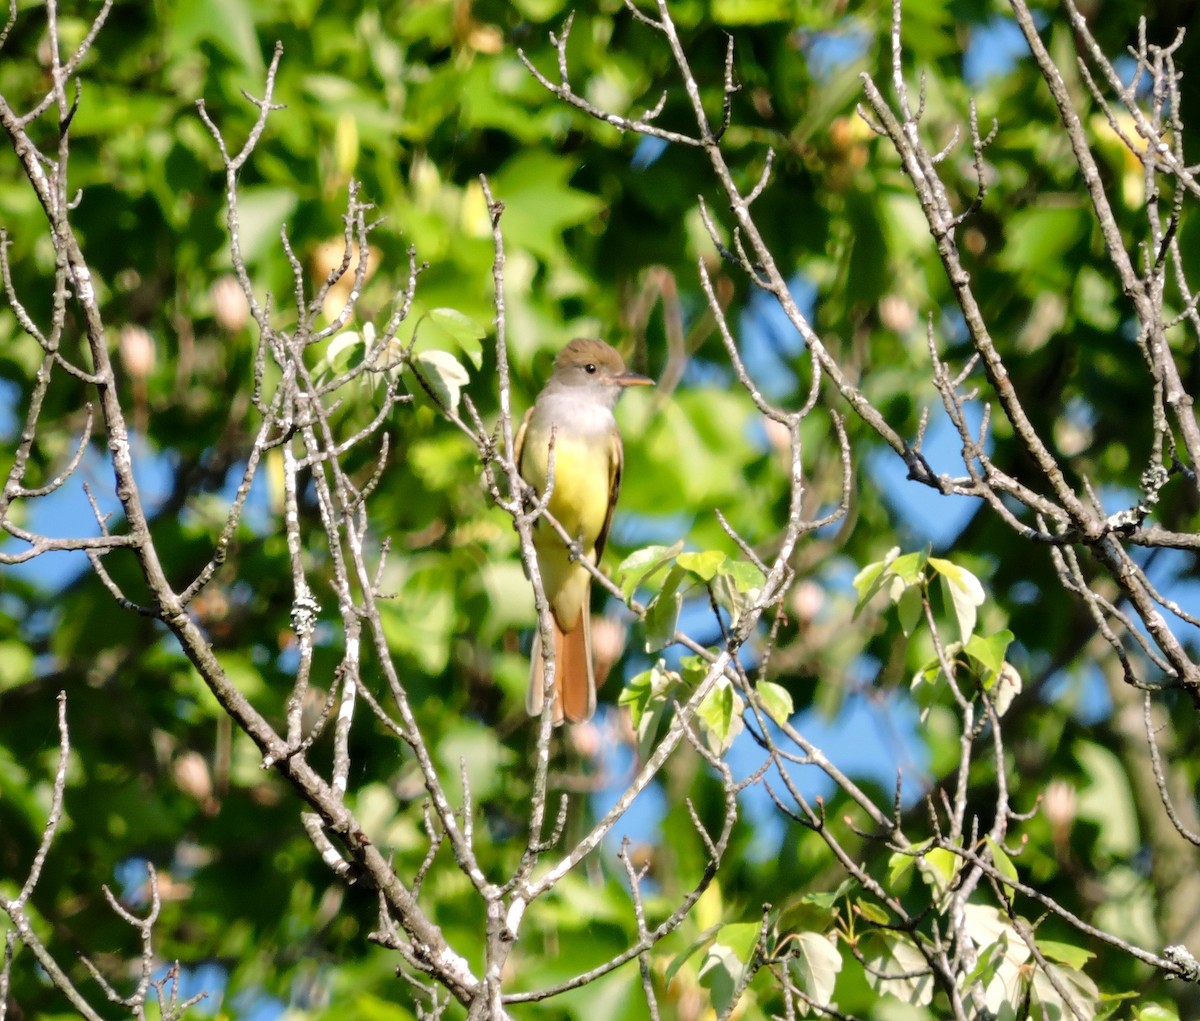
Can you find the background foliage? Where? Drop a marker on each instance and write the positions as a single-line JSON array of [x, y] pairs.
[[603, 233]]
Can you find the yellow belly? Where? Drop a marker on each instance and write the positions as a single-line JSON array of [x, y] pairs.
[[579, 502], [582, 476]]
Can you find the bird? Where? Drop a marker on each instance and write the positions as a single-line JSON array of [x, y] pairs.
[[574, 413]]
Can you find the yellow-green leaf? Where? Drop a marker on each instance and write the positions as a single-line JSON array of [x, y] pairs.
[[1002, 861], [777, 701], [703, 565]]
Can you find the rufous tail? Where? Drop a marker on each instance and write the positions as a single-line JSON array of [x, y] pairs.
[[574, 678]]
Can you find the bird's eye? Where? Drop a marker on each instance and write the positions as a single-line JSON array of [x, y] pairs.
[[590, 368]]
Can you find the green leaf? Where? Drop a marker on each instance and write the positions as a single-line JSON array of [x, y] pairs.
[[924, 687], [440, 328], [829, 898], [470, 743], [1155, 1012], [989, 652], [705, 939], [909, 608], [648, 696], [1110, 1003], [1107, 800], [988, 963], [1005, 974], [871, 912], [897, 967], [1047, 995], [637, 568], [745, 576], [419, 622], [1065, 953], [444, 374], [228, 24], [777, 701], [1037, 239], [262, 210], [452, 327], [662, 615], [16, 664], [750, 12], [703, 565], [340, 353], [871, 578], [898, 572], [814, 963], [539, 204], [963, 594], [1002, 861], [910, 568], [939, 866], [720, 974], [726, 961], [741, 938], [635, 696], [899, 864], [720, 716], [694, 668]]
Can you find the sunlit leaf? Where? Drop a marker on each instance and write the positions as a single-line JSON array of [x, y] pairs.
[[989, 652], [1001, 860], [988, 963], [726, 960], [900, 863], [750, 12], [16, 664], [689, 952], [745, 576], [776, 700], [694, 668], [938, 868], [1065, 992], [897, 967], [1155, 1012], [636, 694], [703, 565], [444, 374], [648, 696], [342, 350], [662, 615], [263, 210], [720, 972], [641, 565], [1065, 953], [871, 578], [720, 715], [814, 963], [871, 912], [963, 594], [450, 326], [539, 203], [910, 568]]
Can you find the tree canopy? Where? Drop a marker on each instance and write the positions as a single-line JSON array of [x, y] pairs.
[[901, 624]]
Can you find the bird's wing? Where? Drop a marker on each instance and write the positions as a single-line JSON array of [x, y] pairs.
[[519, 442], [616, 461]]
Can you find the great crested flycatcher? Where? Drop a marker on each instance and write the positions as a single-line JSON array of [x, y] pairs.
[[574, 415]]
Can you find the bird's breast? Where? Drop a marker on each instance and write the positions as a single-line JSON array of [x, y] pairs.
[[582, 473]]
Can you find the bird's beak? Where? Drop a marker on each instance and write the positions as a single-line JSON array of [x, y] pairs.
[[632, 379]]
